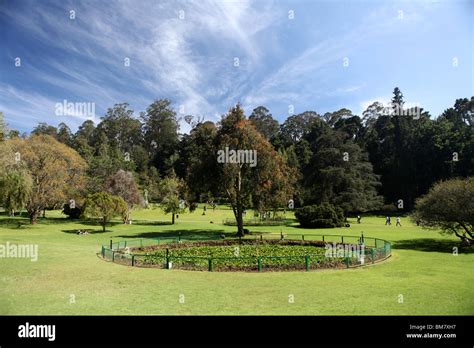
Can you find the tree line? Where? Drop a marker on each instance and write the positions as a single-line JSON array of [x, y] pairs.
[[381, 160]]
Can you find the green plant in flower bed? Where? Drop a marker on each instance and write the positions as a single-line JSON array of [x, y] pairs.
[[245, 250], [158, 257], [243, 256]]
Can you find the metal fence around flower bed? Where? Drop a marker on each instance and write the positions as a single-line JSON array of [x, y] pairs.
[[368, 251], [260, 222]]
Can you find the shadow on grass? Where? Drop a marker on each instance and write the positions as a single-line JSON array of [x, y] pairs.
[[88, 230], [437, 245], [15, 223], [51, 221], [85, 222], [185, 234], [150, 223]]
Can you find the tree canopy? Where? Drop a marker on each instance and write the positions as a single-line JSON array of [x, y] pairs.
[[449, 205], [389, 156], [104, 206]]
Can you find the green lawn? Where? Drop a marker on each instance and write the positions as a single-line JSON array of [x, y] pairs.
[[422, 268]]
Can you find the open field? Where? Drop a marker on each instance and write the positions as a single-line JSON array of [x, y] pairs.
[[422, 268]]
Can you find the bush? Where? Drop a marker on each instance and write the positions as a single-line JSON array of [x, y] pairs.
[[72, 213], [320, 216], [192, 207]]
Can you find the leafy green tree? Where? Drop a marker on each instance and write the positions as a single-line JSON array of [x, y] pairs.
[[15, 189], [150, 185], [197, 158], [264, 122], [267, 181], [84, 139], [13, 133], [123, 184], [121, 129], [108, 160], [3, 128], [324, 215], [170, 196], [392, 138], [296, 127], [64, 134], [104, 206], [351, 126], [45, 129], [332, 118], [340, 173], [160, 131], [449, 206], [397, 99]]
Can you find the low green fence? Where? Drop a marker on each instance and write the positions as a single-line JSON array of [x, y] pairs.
[[341, 252], [260, 222]]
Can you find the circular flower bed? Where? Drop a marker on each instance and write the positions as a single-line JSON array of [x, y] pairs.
[[235, 255]]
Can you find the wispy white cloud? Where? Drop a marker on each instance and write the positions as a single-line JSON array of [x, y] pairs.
[[30, 108], [185, 50], [160, 39]]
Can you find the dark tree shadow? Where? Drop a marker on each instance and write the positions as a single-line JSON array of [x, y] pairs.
[[14, 223], [88, 230], [150, 223], [97, 223], [185, 234], [436, 245]]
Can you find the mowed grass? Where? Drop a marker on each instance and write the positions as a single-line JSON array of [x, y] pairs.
[[69, 278]]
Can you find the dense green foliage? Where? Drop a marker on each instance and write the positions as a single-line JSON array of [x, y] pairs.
[[386, 157], [72, 212], [15, 188], [320, 216], [243, 257], [449, 206], [105, 206]]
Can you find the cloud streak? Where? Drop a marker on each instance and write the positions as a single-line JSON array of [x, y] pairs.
[[186, 50]]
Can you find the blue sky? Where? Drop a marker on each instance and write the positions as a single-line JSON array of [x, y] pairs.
[[186, 51]]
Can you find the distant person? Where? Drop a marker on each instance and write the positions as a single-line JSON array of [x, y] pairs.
[[398, 221], [358, 219], [387, 221]]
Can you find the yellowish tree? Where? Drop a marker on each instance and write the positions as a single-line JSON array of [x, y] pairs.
[[56, 169]]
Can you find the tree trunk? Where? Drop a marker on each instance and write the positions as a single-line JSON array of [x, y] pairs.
[[104, 221], [239, 209], [240, 222], [126, 218], [33, 217], [172, 218]]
